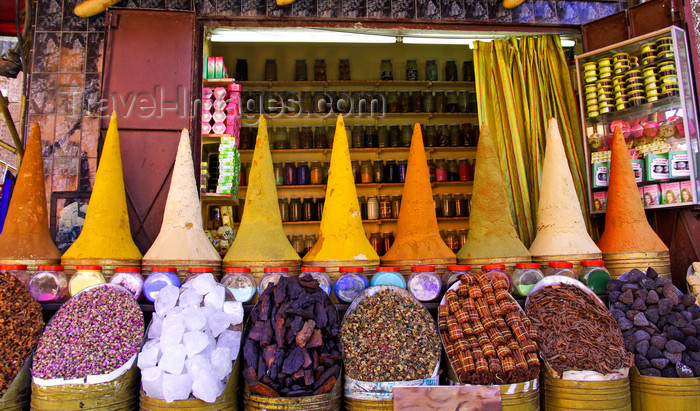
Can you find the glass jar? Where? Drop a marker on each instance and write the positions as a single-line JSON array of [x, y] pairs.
[[440, 170], [428, 102], [309, 241], [463, 235], [395, 206], [270, 70], [594, 274], [411, 70], [375, 240], [382, 137], [391, 171], [49, 284], [129, 278], [242, 70], [394, 136], [85, 276], [405, 102], [462, 101], [320, 70], [159, 278], [326, 170], [308, 209], [350, 283], [402, 167], [525, 276], [452, 240], [372, 208], [296, 212], [307, 102], [284, 209], [371, 136], [316, 173], [406, 135], [193, 272], [392, 101], [452, 170], [431, 169], [240, 282], [443, 136], [387, 240], [423, 283], [564, 268], [318, 103], [298, 244], [472, 102], [437, 204], [378, 171], [290, 173], [468, 70], [431, 72], [448, 205], [319, 274], [281, 138], [497, 272], [302, 173], [300, 72], [386, 70], [384, 207], [430, 138], [320, 137], [362, 201], [18, 270], [292, 103], [358, 136], [344, 69], [307, 138], [388, 276], [454, 272], [460, 205], [440, 103], [451, 71], [366, 172], [278, 170], [465, 172], [416, 101], [320, 202], [356, 171], [294, 138], [452, 102], [456, 136], [271, 276]]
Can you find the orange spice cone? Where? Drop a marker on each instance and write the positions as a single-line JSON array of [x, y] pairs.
[[418, 237], [106, 234], [181, 236], [341, 237], [25, 238], [260, 236], [561, 229], [626, 226], [492, 236]]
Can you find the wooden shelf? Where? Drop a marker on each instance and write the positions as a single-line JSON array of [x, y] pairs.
[[377, 222], [361, 150], [221, 198], [349, 117], [216, 82], [371, 185], [339, 84]]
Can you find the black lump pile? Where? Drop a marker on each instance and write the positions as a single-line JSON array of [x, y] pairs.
[[659, 325]]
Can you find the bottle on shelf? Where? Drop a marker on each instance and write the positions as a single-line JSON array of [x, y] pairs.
[[320, 70], [308, 209], [372, 208], [366, 171], [344, 69], [295, 209], [431, 72], [384, 207], [411, 70], [362, 201], [294, 138], [391, 171], [316, 173], [375, 240], [300, 72], [307, 138], [270, 70], [440, 102], [290, 173], [302, 173], [320, 137], [279, 173], [387, 240], [452, 170], [451, 71], [284, 209], [386, 70], [440, 170], [395, 206], [378, 171]]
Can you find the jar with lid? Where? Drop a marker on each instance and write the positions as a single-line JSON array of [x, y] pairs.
[[302, 173], [430, 137], [316, 173], [468, 70], [448, 205], [394, 136], [350, 283], [472, 102], [452, 170], [424, 283], [281, 138], [402, 167], [431, 72], [465, 172], [440, 170], [240, 282], [292, 103], [395, 206], [295, 210], [496, 272], [437, 204], [371, 136], [270, 70], [307, 138], [300, 72], [460, 205], [244, 136], [406, 135], [320, 137], [387, 240], [271, 276], [344, 69], [386, 70], [594, 274], [278, 169], [372, 208], [308, 209], [318, 103], [452, 240], [298, 244], [320, 202], [525, 276], [391, 171], [159, 278], [440, 102], [456, 136], [276, 102], [306, 102], [382, 137], [294, 138], [384, 207], [284, 209], [453, 274], [362, 201], [375, 240], [564, 268], [388, 276], [416, 101], [392, 101], [309, 241], [411, 70], [463, 234], [462, 101], [358, 136], [428, 102], [431, 169], [193, 272], [326, 170], [318, 274], [320, 70], [452, 103], [404, 102], [17, 270], [451, 71], [366, 101], [378, 171], [366, 172], [443, 136], [85, 276], [356, 172], [129, 278], [242, 70]]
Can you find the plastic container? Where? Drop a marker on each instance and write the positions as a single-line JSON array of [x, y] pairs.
[[240, 282], [524, 277], [129, 278], [49, 284], [319, 274], [388, 276], [18, 270], [159, 278], [424, 283], [454, 272], [495, 271], [561, 268], [272, 276], [350, 284], [594, 275], [85, 276]]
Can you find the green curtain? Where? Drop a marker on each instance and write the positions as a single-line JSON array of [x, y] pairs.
[[522, 82]]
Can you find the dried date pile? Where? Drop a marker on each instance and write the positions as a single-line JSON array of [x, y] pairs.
[[389, 337], [574, 332], [292, 348], [20, 326], [659, 325], [488, 339]]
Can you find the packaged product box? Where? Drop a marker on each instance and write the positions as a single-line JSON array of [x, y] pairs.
[[641, 194], [670, 193], [651, 195], [687, 192], [205, 66], [206, 128], [600, 199], [219, 67], [600, 174], [657, 167], [678, 164], [211, 67], [638, 168]]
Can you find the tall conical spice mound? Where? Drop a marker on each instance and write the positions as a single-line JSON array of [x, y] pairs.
[[418, 239], [561, 229], [342, 237], [492, 237], [181, 237], [260, 237], [25, 238], [626, 226], [106, 236]]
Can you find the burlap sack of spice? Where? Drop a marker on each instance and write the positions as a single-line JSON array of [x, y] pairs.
[[693, 279], [19, 391]]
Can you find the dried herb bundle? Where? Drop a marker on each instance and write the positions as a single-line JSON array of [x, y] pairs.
[[389, 337], [292, 347], [574, 332], [487, 337]]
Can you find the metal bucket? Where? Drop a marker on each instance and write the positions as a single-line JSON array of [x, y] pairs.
[[523, 396], [352, 404], [620, 263], [327, 402], [585, 395], [108, 265], [575, 259], [182, 266], [659, 393]]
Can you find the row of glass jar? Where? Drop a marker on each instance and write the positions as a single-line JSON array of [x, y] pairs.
[[358, 102], [592, 273]]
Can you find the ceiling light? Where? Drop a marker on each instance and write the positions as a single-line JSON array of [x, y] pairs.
[[568, 43], [294, 35]]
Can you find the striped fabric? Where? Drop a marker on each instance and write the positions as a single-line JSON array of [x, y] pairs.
[[521, 82]]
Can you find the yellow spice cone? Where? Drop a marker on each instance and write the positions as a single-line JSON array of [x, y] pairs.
[[342, 237], [417, 235], [626, 226], [25, 235], [492, 234], [182, 235], [561, 229], [260, 236], [106, 233]]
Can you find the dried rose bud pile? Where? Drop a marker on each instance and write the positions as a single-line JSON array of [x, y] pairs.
[[488, 339], [574, 332], [20, 326], [94, 333], [292, 348], [389, 337]]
